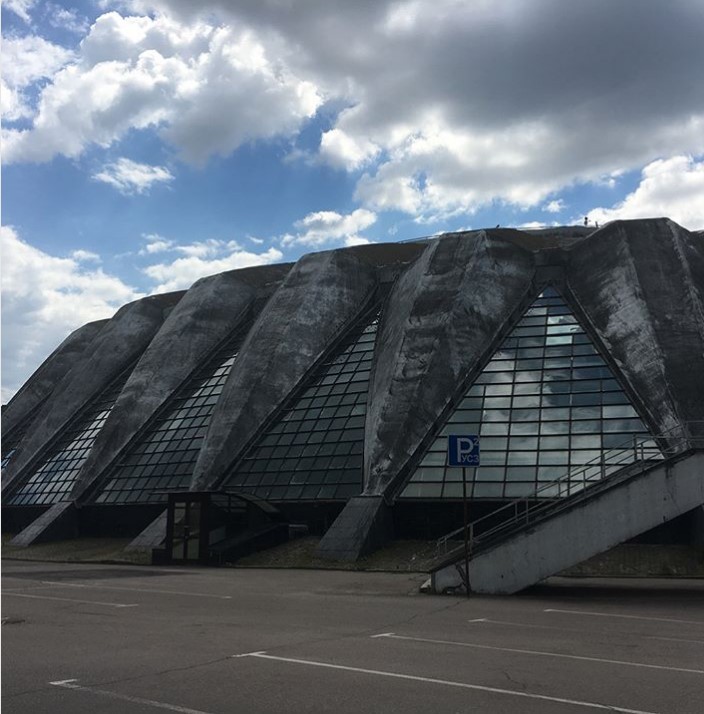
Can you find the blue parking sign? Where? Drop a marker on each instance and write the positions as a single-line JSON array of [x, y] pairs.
[[463, 450]]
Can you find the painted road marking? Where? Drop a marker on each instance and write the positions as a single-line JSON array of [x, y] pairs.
[[569, 629], [526, 624], [544, 654], [446, 683], [71, 684], [68, 599], [676, 639], [627, 617], [135, 590]]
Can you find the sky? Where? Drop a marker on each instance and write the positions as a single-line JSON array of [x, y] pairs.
[[147, 143]]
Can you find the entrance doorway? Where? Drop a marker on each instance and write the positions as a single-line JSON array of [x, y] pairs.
[[186, 539]]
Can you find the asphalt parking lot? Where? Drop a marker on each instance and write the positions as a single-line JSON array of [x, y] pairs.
[[101, 638]]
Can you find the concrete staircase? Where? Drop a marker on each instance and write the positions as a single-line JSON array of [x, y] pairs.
[[527, 541]]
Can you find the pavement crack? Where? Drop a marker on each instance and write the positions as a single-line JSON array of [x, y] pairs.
[[520, 685]]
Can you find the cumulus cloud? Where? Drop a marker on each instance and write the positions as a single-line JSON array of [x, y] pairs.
[[130, 177], [454, 105], [322, 227], [205, 258], [351, 241], [669, 187], [207, 90], [44, 298], [555, 206], [154, 243], [25, 61], [449, 106]]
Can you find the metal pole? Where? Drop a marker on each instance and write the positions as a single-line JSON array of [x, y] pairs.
[[466, 530]]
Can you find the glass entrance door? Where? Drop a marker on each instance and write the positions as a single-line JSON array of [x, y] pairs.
[[185, 530]]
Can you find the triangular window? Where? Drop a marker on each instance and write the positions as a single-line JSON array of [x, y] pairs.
[[165, 455], [314, 449], [545, 405], [54, 479]]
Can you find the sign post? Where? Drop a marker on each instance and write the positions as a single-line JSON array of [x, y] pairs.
[[463, 452]]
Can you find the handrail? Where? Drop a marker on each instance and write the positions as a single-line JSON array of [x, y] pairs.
[[630, 458]]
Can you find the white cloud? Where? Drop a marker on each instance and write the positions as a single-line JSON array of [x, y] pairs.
[[155, 244], [21, 8], [351, 241], [25, 61], [130, 177], [346, 151], [556, 206], [85, 256], [205, 258], [455, 105], [206, 89], [44, 298], [449, 106], [322, 227], [669, 187], [66, 18]]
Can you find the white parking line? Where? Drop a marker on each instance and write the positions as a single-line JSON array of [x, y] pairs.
[[68, 599], [71, 684], [447, 683], [55, 583], [541, 653], [519, 624], [676, 639], [627, 617]]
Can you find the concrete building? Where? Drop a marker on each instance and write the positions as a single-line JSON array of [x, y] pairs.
[[322, 393]]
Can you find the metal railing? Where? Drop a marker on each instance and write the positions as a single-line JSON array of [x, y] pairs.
[[580, 483]]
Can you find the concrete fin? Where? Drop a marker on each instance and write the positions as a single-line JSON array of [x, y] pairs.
[[118, 345], [651, 324], [198, 324], [442, 314], [340, 382], [60, 522], [178, 430], [25, 404], [364, 525], [153, 536], [317, 301], [54, 475], [548, 377]]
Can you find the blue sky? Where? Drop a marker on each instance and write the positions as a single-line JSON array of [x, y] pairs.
[[149, 142]]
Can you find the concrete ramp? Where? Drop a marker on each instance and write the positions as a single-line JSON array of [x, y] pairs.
[[614, 512]]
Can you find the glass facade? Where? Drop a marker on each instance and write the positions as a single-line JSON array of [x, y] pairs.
[[545, 405], [54, 479], [8, 452], [9, 446], [314, 450], [164, 458]]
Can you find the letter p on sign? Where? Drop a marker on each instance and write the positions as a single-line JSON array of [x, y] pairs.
[[463, 450]]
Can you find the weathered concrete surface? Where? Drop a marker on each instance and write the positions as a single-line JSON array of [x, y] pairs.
[[442, 316], [60, 522], [153, 536], [321, 295], [364, 525], [641, 285], [118, 345], [211, 309], [594, 526], [40, 385]]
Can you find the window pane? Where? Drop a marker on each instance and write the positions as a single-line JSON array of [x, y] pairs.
[[564, 401]]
